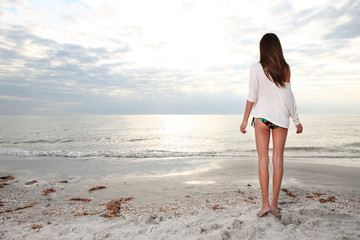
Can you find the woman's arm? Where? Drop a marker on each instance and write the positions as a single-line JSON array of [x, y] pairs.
[[252, 97], [248, 108], [293, 110]]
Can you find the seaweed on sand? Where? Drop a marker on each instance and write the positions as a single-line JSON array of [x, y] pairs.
[[47, 191], [288, 192], [96, 188], [80, 199], [7, 178], [114, 207], [19, 208]]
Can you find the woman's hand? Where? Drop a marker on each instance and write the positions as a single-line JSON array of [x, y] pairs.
[[248, 107], [243, 127], [299, 128]]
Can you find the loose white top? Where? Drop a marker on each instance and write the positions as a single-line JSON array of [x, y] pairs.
[[273, 103]]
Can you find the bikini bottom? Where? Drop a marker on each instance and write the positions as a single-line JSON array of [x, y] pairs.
[[266, 122]]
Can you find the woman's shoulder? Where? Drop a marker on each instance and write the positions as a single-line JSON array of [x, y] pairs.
[[255, 66]]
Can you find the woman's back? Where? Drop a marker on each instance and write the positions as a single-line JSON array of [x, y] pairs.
[[270, 101]]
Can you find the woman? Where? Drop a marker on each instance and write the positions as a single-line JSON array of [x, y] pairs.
[[271, 97]]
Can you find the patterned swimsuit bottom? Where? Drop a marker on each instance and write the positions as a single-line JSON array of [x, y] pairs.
[[266, 122]]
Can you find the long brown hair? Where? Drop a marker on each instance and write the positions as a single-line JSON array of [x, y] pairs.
[[272, 59]]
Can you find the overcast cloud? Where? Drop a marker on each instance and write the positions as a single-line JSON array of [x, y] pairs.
[[169, 56]]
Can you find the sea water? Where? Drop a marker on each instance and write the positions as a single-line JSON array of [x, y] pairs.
[[161, 144]]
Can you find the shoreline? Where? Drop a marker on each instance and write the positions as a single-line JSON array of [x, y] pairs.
[[99, 168], [220, 203]]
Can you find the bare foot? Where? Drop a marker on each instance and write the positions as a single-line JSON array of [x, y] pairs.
[[263, 212], [275, 212]]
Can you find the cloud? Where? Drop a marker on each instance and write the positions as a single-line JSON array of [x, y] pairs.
[[55, 70], [169, 56], [13, 98], [347, 22], [14, 3]]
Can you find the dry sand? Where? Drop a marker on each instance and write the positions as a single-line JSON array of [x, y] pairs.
[[218, 203]]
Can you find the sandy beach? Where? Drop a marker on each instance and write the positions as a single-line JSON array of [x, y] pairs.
[[317, 201]]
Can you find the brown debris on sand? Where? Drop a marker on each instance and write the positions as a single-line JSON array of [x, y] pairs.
[[217, 206], [46, 212], [291, 194], [6, 178], [1, 186], [19, 208], [37, 226], [288, 192], [241, 192], [318, 194], [63, 181], [97, 188], [84, 213], [30, 182], [238, 215], [163, 209], [47, 191], [329, 199], [80, 199], [114, 207], [28, 206], [322, 200]]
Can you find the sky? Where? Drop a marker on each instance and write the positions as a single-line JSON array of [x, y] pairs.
[[172, 56]]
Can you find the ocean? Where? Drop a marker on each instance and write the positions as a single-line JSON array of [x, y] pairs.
[[161, 144]]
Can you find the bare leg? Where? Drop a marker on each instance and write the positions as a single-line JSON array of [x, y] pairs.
[[262, 136], [279, 138]]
